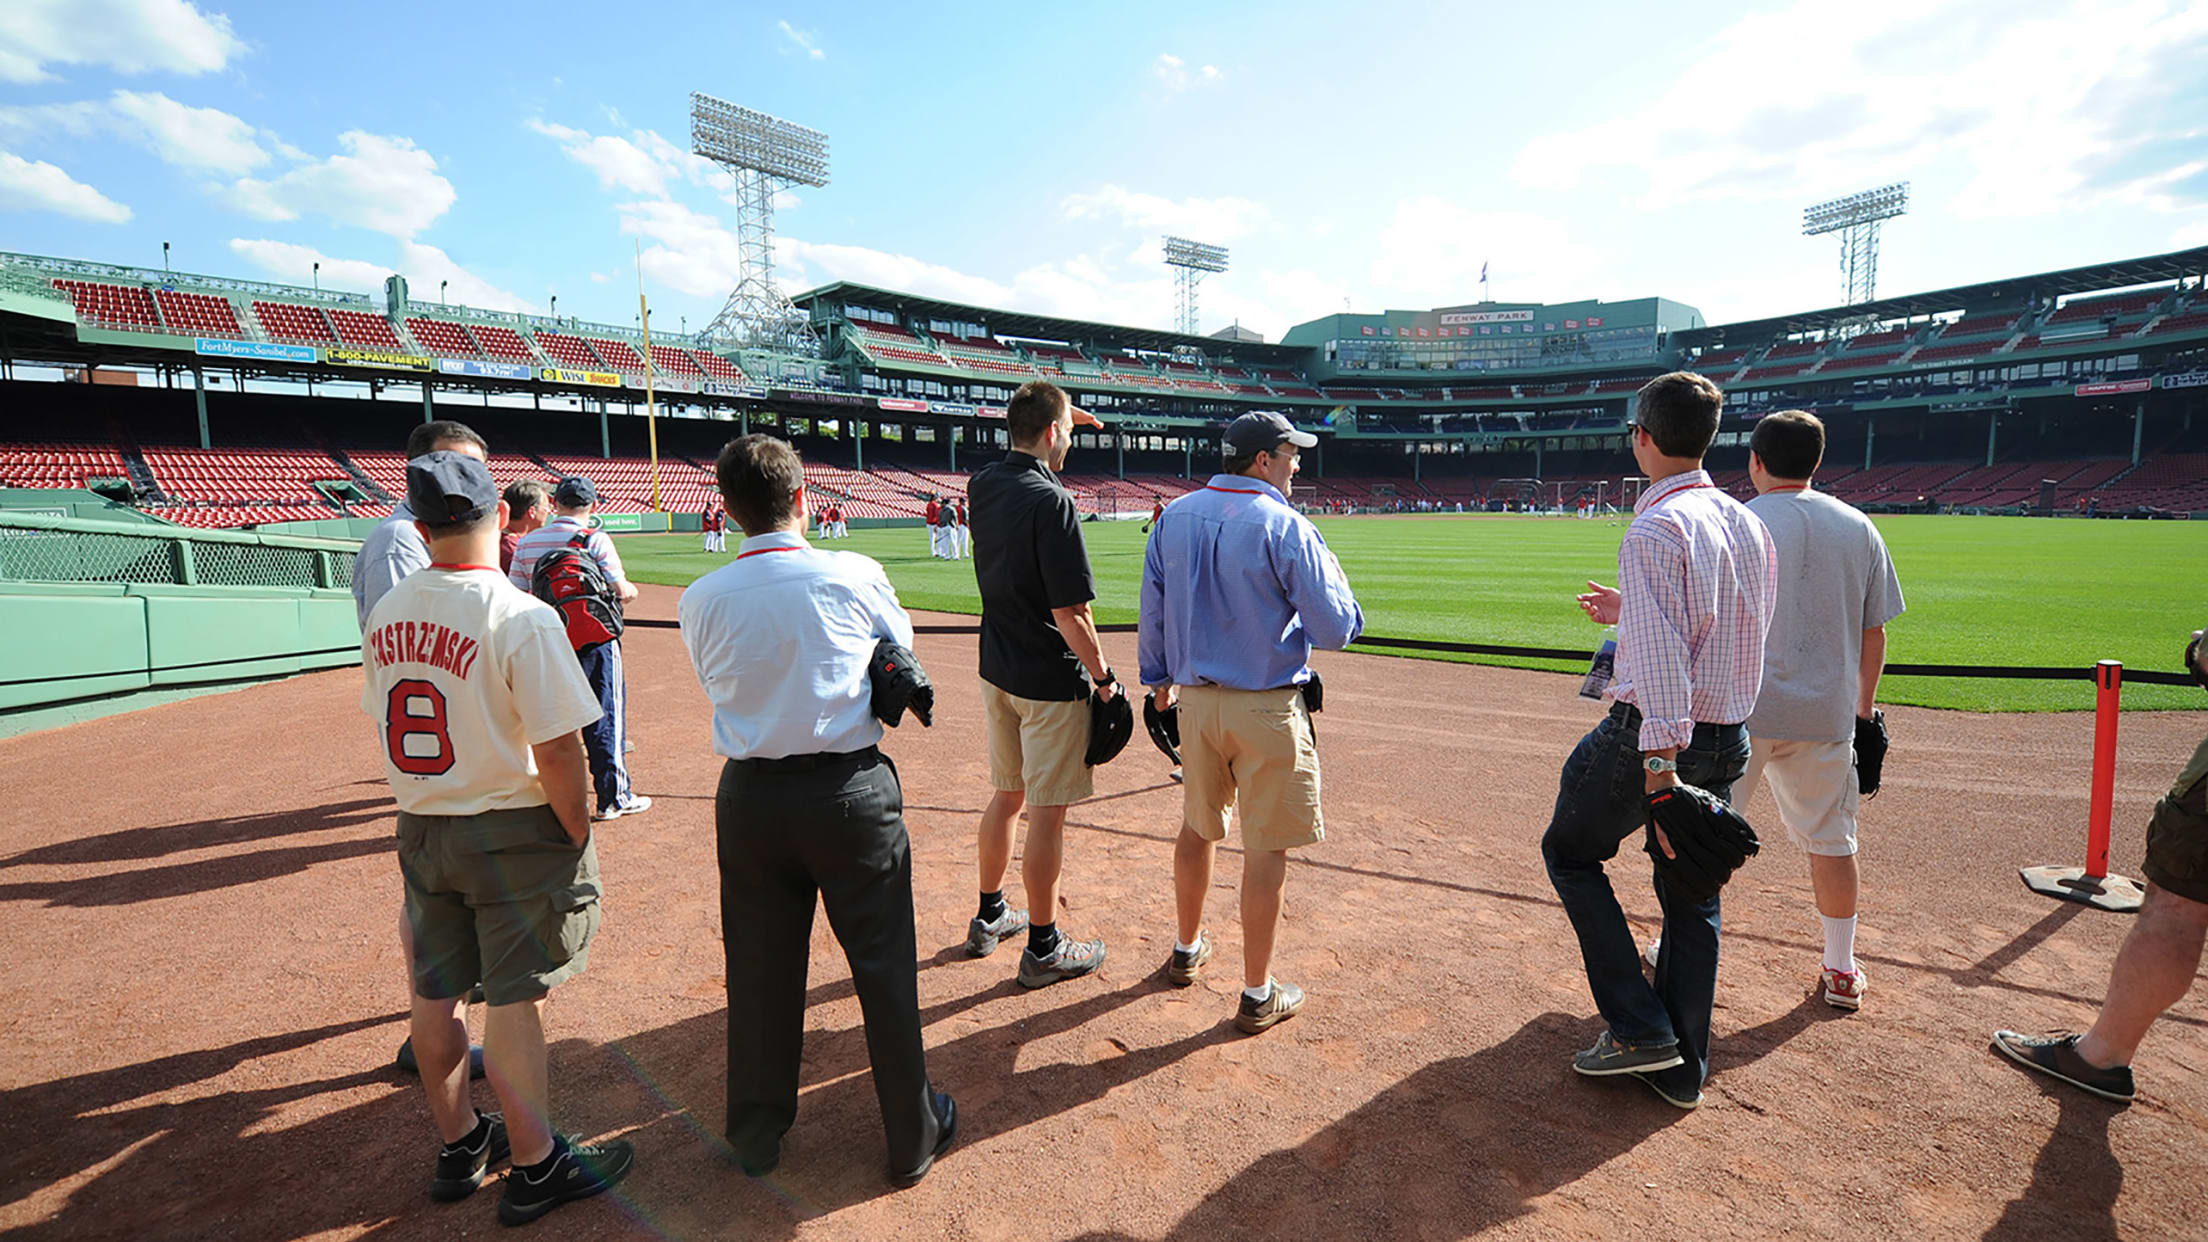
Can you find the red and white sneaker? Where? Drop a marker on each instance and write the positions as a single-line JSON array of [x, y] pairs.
[[1843, 989]]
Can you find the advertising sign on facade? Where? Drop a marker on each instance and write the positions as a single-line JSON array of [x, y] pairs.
[[485, 370], [346, 356], [906, 404], [258, 351], [599, 379], [2190, 379], [2112, 387], [1508, 316]]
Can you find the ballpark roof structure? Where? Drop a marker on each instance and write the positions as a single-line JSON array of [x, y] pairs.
[[1022, 324], [2092, 278]]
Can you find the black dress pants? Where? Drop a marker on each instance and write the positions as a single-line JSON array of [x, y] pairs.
[[788, 829]]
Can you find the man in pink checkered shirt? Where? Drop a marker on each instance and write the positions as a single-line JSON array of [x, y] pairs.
[[1697, 578]]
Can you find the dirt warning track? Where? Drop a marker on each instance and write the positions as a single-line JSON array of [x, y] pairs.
[[203, 993]]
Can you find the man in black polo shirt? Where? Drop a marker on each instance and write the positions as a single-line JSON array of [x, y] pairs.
[[1039, 651]]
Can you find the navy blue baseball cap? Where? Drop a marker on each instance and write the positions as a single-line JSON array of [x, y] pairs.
[[1262, 431], [445, 488], [575, 491]]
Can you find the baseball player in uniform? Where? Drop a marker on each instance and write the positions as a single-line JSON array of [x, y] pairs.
[[935, 527], [843, 531], [477, 699], [963, 540], [711, 521]]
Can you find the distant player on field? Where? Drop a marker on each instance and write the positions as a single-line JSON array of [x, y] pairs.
[[478, 699]]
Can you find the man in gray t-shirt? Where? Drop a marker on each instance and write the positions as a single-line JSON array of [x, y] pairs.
[[1821, 663]]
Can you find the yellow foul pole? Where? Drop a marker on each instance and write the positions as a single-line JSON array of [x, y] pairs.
[[651, 406]]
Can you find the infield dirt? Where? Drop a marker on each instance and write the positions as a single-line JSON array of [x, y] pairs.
[[203, 993]]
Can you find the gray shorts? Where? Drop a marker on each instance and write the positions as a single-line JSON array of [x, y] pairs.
[[503, 899]]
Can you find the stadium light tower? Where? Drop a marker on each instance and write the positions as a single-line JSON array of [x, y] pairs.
[[762, 152], [1855, 218], [1190, 260]]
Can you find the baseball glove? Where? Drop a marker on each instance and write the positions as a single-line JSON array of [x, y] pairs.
[[2192, 664], [899, 682], [1164, 727], [1111, 723], [1870, 752], [1709, 837]]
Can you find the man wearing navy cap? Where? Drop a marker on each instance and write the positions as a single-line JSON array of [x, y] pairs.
[[477, 698], [1237, 588], [574, 502]]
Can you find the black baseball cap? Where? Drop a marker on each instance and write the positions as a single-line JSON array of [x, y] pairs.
[[575, 491], [1262, 431], [447, 488]]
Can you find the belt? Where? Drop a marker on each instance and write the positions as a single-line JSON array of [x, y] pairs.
[[1630, 713], [804, 763]]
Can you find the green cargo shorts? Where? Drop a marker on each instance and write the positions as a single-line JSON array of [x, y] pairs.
[[2177, 841], [503, 899]]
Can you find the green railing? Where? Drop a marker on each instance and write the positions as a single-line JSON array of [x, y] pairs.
[[39, 548]]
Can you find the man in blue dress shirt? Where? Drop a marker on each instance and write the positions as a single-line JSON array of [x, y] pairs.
[[1237, 588], [780, 639]]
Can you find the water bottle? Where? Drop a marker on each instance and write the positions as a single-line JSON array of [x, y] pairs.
[[1604, 669]]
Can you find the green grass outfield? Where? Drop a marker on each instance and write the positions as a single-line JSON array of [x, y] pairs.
[[1981, 590]]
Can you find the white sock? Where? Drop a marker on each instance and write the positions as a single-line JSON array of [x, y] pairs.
[[1178, 947], [1839, 943], [1260, 994]]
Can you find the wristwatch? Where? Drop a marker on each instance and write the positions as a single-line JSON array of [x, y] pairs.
[[1109, 678], [1657, 765]]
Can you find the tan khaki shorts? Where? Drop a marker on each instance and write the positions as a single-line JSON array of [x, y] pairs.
[[1252, 749], [502, 898], [1814, 786], [1040, 746]]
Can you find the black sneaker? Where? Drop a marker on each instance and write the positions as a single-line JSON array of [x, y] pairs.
[[1070, 960], [1669, 1094], [1181, 969], [577, 1172], [460, 1168], [2057, 1056], [1285, 1002], [1611, 1055], [982, 937], [946, 1112]]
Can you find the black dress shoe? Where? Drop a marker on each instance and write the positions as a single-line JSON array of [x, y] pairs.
[[946, 1113]]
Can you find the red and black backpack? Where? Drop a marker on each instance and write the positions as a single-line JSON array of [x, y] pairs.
[[569, 578]]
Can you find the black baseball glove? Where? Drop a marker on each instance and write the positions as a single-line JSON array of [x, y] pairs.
[[1164, 727], [1709, 837], [1870, 752], [899, 683], [2192, 665], [1111, 723]]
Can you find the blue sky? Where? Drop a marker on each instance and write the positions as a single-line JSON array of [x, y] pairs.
[[1031, 161]]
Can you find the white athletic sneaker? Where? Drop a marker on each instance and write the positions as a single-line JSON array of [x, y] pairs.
[[1649, 954]]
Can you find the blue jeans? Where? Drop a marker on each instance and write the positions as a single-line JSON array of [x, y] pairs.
[[609, 768], [1598, 805]]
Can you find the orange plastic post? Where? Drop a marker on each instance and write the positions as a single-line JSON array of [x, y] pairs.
[[2108, 675]]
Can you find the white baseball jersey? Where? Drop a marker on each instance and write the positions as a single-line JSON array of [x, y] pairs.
[[464, 675]]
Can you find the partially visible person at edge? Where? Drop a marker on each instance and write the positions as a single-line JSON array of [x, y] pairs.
[[808, 807], [393, 550], [1039, 654], [1237, 589], [528, 504], [574, 502], [1696, 581], [2160, 956], [477, 698]]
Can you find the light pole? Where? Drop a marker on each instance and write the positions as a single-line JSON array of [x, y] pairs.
[[441, 291], [555, 308], [318, 276], [164, 256]]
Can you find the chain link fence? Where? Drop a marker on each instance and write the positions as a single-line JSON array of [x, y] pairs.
[[49, 549]]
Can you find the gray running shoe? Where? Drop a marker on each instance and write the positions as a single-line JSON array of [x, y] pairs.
[[1254, 1016], [982, 938], [1070, 960], [1182, 968], [1611, 1055]]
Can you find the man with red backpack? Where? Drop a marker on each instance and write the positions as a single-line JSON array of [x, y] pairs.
[[571, 564]]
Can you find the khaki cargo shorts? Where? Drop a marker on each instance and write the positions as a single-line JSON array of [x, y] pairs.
[[502, 899], [2177, 841], [1040, 746], [1815, 787], [1251, 749]]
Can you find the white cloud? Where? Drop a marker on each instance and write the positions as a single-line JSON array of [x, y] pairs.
[[1177, 76], [1431, 254], [643, 163], [382, 183], [686, 250], [423, 266], [806, 41], [128, 36], [1215, 220], [1791, 106], [34, 185], [200, 139]]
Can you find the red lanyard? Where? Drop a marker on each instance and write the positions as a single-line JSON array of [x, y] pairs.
[[1675, 491], [763, 551], [443, 565], [1238, 491], [1791, 487]]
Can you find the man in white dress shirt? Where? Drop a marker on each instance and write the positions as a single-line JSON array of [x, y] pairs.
[[781, 639]]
